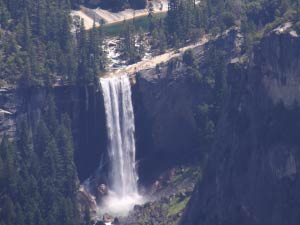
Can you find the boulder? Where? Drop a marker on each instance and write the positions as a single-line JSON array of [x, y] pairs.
[[107, 218]]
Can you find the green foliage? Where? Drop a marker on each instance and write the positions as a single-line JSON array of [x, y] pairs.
[[37, 47], [158, 36], [38, 179], [206, 123], [188, 58], [192, 71], [185, 20], [4, 15], [194, 75], [177, 205], [131, 52], [181, 21]]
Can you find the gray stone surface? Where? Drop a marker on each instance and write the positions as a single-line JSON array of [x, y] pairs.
[[252, 176]]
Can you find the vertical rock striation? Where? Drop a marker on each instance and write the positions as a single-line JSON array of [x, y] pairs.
[[252, 176]]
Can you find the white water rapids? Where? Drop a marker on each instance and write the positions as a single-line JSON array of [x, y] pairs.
[[123, 176]]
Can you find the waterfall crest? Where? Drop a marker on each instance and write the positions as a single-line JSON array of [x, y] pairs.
[[121, 143]]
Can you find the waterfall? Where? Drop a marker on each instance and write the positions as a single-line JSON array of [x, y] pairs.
[[121, 142]]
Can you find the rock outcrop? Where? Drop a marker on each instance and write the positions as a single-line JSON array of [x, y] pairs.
[[252, 176]]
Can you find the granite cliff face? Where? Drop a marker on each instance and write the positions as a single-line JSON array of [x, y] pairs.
[[166, 100], [252, 176], [166, 127]]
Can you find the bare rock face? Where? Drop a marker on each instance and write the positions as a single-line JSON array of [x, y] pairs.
[[252, 176], [107, 218], [165, 124], [85, 202], [280, 66], [102, 191], [165, 102]]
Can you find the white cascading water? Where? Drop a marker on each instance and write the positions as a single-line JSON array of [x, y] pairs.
[[121, 146]]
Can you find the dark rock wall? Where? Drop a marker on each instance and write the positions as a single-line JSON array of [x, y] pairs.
[[165, 103], [166, 131], [86, 109], [252, 175]]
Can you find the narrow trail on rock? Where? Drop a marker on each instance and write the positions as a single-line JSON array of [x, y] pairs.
[[151, 63]]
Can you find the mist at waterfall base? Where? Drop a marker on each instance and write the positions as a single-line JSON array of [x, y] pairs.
[[123, 189]]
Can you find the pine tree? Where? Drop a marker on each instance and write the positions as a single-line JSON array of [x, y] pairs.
[[8, 154], [50, 115], [298, 8], [7, 212], [2, 174], [15, 7], [25, 146], [38, 17], [67, 173], [26, 32], [128, 47], [42, 137], [82, 54], [19, 214], [151, 16], [49, 158], [38, 177], [172, 19], [94, 53], [4, 15]]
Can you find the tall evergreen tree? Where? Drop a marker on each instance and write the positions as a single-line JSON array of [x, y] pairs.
[[128, 45], [4, 15], [26, 32]]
